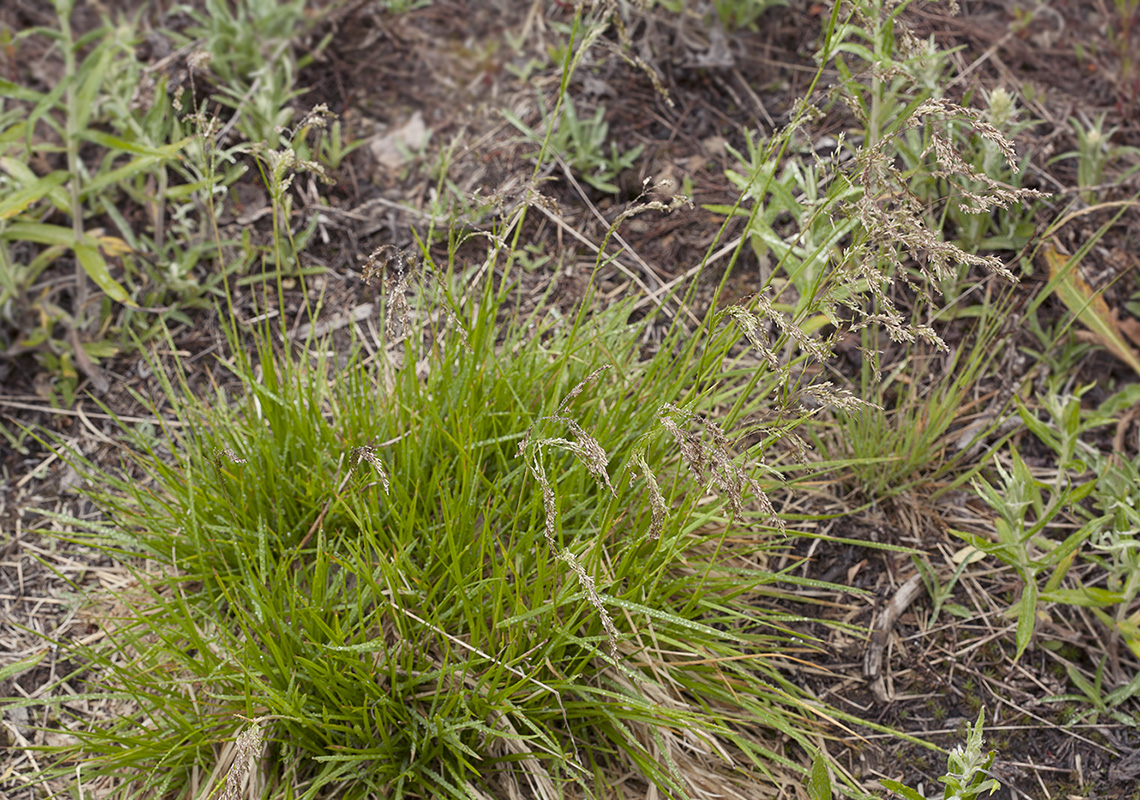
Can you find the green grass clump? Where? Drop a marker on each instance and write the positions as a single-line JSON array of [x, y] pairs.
[[422, 575]]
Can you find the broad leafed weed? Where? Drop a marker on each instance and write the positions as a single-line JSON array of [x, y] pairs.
[[144, 142]]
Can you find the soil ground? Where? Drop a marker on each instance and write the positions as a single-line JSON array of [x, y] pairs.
[[450, 67]]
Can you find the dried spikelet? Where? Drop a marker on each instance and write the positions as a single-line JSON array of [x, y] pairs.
[[819, 350], [198, 61], [656, 498], [228, 454], [318, 118], [454, 321], [725, 474], [798, 444], [368, 453], [586, 448], [628, 52], [640, 205], [750, 325], [284, 165], [842, 399], [577, 390], [247, 746], [550, 507], [534, 463], [586, 581], [384, 261]]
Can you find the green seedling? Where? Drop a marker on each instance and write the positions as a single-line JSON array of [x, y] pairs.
[[1093, 694], [967, 774], [1025, 508], [584, 144]]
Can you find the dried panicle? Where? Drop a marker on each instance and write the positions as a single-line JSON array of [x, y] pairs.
[[205, 125], [947, 110], [586, 449], [804, 112], [577, 390], [785, 435], [539, 200], [726, 475], [1002, 195], [594, 457], [395, 265], [891, 321], [750, 325], [842, 399], [819, 350], [248, 747], [586, 581], [892, 219], [368, 453], [656, 499]]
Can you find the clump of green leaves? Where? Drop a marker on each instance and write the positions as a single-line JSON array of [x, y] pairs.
[[733, 14], [967, 770], [53, 218], [1095, 152], [584, 144], [449, 580]]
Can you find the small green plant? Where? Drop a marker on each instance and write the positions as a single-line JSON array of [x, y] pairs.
[[1120, 36], [247, 46], [1094, 154], [807, 245], [733, 14], [1096, 701], [967, 774], [912, 433], [95, 90], [737, 14], [1113, 519], [583, 144], [940, 593], [141, 148], [1026, 507]]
